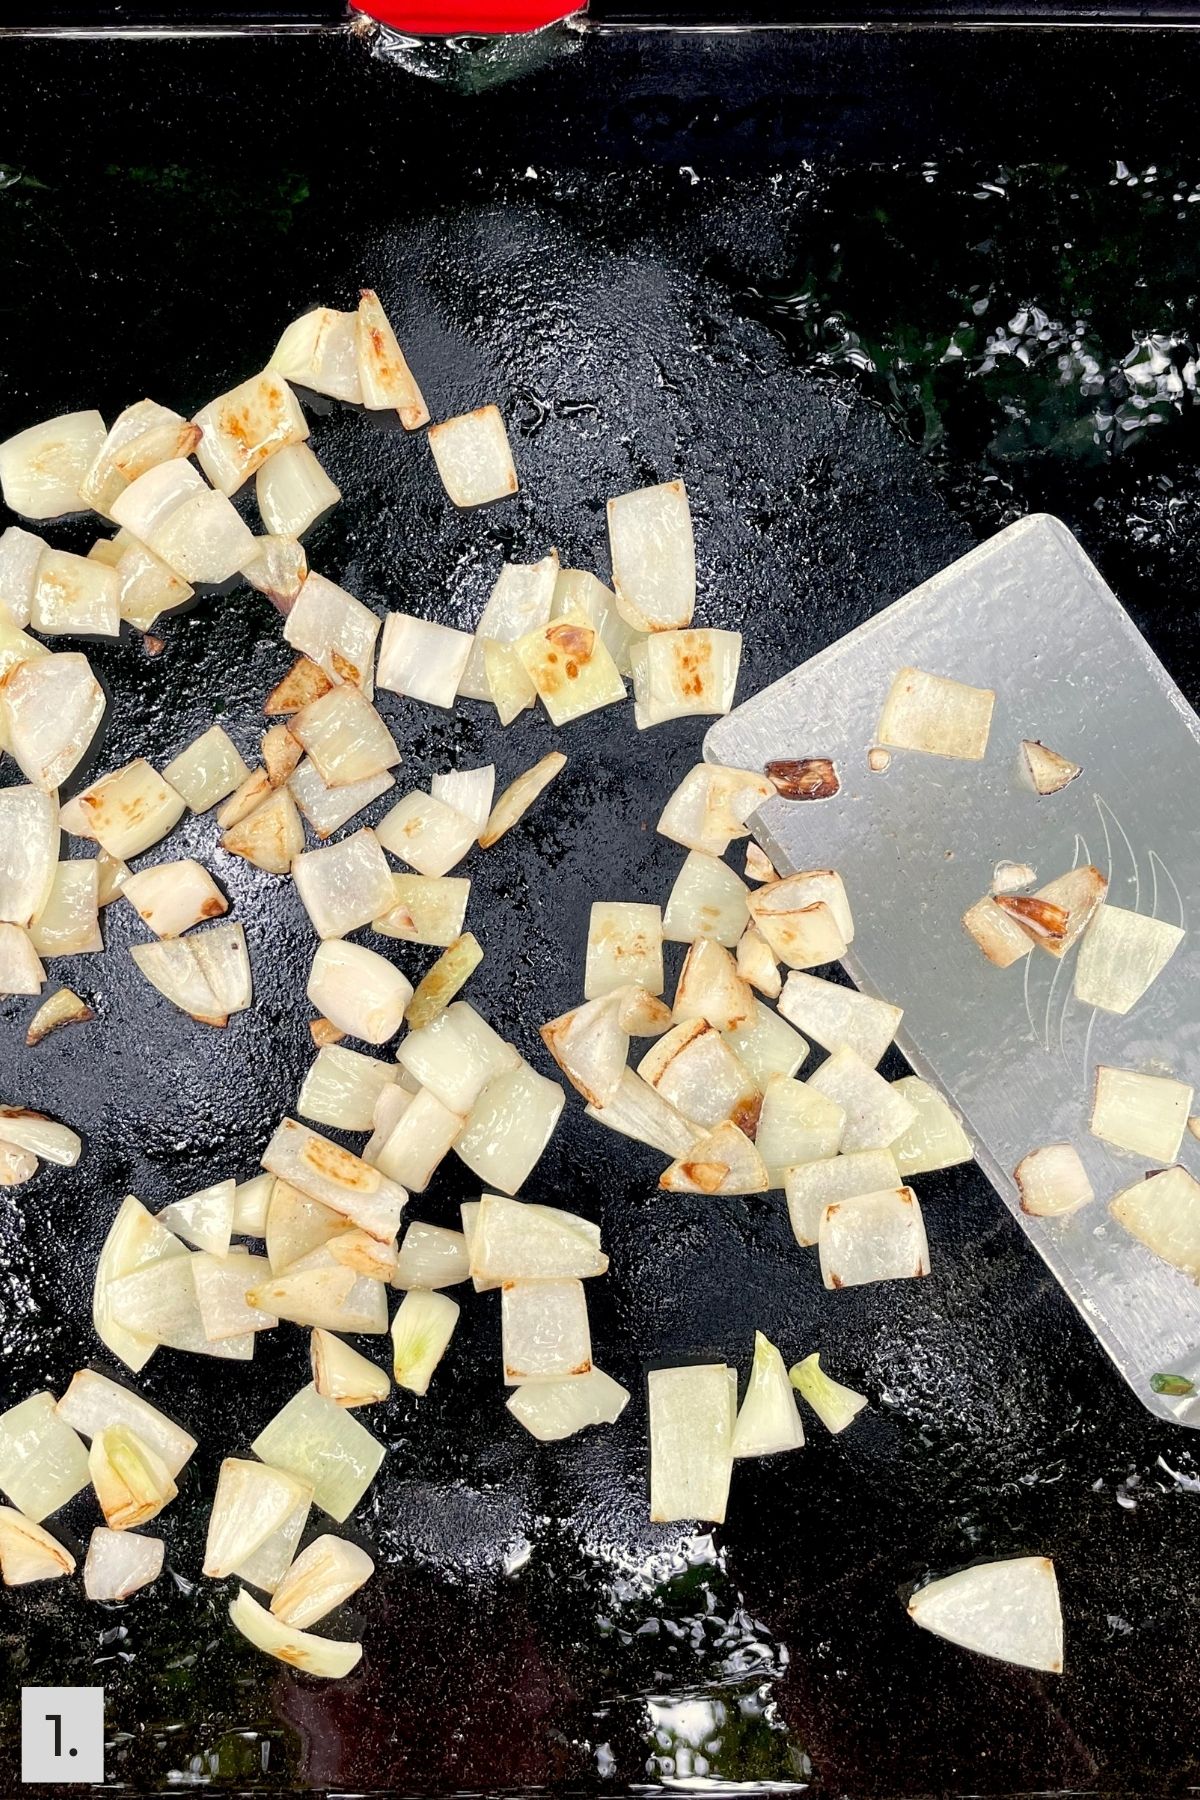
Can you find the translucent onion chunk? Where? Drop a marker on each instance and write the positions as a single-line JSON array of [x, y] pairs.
[[509, 1127], [1122, 954], [140, 438], [1048, 771], [334, 1177], [438, 986], [73, 594], [693, 1068], [43, 1463], [69, 923], [418, 1139], [127, 811], [336, 632], [577, 591], [427, 834], [590, 1047], [132, 1482], [343, 1375], [877, 1112], [797, 1124], [692, 1415], [204, 1219], [20, 553], [999, 937], [553, 1410], [341, 1087], [43, 467], [421, 1333], [767, 1420], [21, 970], [836, 1406], [425, 909], [544, 1331], [624, 947], [344, 885], [723, 1161], [278, 569], [934, 1139], [642, 1014], [1163, 1212], [711, 805], [271, 836], [707, 900], [245, 426], [293, 492], [163, 1304], [118, 1563], [358, 990], [319, 351], [515, 1242], [653, 557], [319, 1443], [1143, 1113], [520, 600], [251, 1200], [812, 1186], [148, 504], [421, 659], [805, 918], [266, 1567], [1052, 1181], [205, 539], [473, 457], [384, 375], [519, 796], [173, 896], [208, 770], [766, 1045], [468, 791], [1007, 1610], [298, 1649], [29, 827], [938, 715], [252, 1501], [683, 674], [223, 1287], [758, 866], [639, 1112], [873, 1237], [28, 1552], [711, 989], [135, 1241], [570, 667], [327, 808], [345, 737], [254, 791], [323, 1576], [43, 1136], [52, 708], [1079, 892], [456, 1056], [206, 975], [835, 1015], [431, 1257], [297, 1224]]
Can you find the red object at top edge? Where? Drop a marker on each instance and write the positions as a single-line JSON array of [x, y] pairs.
[[487, 18]]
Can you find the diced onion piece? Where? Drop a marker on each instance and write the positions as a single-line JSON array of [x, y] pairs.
[[271, 836], [1053, 1181], [758, 866], [319, 351], [208, 770], [422, 1134], [203, 1219], [877, 1112], [456, 1056], [624, 947], [693, 1068], [590, 1047], [1163, 1212], [223, 1286], [438, 985], [710, 988], [836, 1406], [796, 1124], [293, 491], [1143, 1113], [118, 1563], [345, 737], [301, 1650], [513, 1241], [812, 1186], [323, 1576], [69, 923], [322, 1296], [296, 1225], [140, 438], [707, 900], [131, 1480], [653, 557], [640, 1014], [172, 968], [248, 798], [339, 1180], [835, 1015], [553, 1410], [336, 631], [16, 1166], [327, 808], [319, 1443], [509, 1126], [344, 1376], [805, 918], [467, 791], [251, 1200], [1048, 771], [278, 569], [638, 1111], [934, 1138], [425, 909], [304, 681], [1045, 923], [519, 796], [245, 426], [873, 1237], [938, 715], [421, 1333], [421, 659], [1122, 954], [43, 468], [520, 600], [52, 708], [266, 1566], [767, 1420], [127, 811], [1079, 892], [29, 825], [1007, 1610], [999, 937], [469, 1211], [73, 594], [341, 1086], [21, 970], [765, 1045], [803, 778], [509, 687], [684, 674], [426, 833], [358, 990], [577, 591], [253, 1500], [222, 958], [135, 1241], [63, 1008], [20, 552], [149, 503], [390, 1108], [544, 1331], [162, 1304], [43, 1464], [431, 1257], [111, 876], [280, 754], [205, 539], [692, 1416], [173, 896], [344, 885], [384, 376], [711, 806], [359, 1251], [1011, 877], [723, 1161], [28, 1552], [44, 1137], [473, 457], [570, 667]]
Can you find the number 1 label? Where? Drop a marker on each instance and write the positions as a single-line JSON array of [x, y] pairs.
[[62, 1734]]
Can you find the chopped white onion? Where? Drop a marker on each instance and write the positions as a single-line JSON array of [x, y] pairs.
[[295, 1225], [1008, 1610], [341, 1087], [266, 1567], [1143, 1113], [1122, 954], [336, 632], [21, 970], [358, 990], [711, 805], [384, 376], [127, 811], [20, 552], [69, 923], [43, 468], [934, 1138], [1079, 892], [161, 1303], [1048, 771], [877, 1112], [642, 1014], [205, 539], [253, 1500], [519, 796], [509, 687], [323, 1576], [570, 667], [873, 1237], [638, 1111], [835, 1015], [208, 770], [473, 457], [206, 975], [345, 737], [251, 1200], [223, 1286], [767, 1420], [723, 1161], [509, 1126], [812, 1186], [425, 909], [938, 715], [553, 1410], [624, 947], [28, 1552], [998, 936], [293, 492], [319, 1442], [73, 595], [653, 557], [52, 708], [118, 1563], [140, 438], [203, 1219], [513, 1241], [520, 600], [43, 1463], [135, 1241], [421, 1333], [684, 674], [17, 1166], [707, 900], [245, 426], [426, 833], [343, 1375], [45, 1137], [692, 1416], [390, 1108], [467, 791], [320, 351], [29, 826], [431, 1257], [544, 1331], [796, 1124], [456, 1056], [693, 1068], [421, 659], [280, 754], [420, 1138], [836, 1406], [149, 503], [1052, 1181], [438, 986], [576, 591], [1163, 1212], [758, 866], [173, 896], [298, 1649], [805, 918], [329, 1295], [111, 876], [344, 885], [343, 1182], [710, 988], [327, 808], [249, 797], [132, 1482], [1011, 877], [590, 1047], [278, 569], [270, 836]]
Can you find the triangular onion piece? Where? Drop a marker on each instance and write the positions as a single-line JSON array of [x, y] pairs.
[[767, 1420], [131, 1480], [323, 1576], [553, 1410], [1048, 771], [343, 1375], [120, 1562], [52, 708], [135, 1241], [1121, 955], [590, 1047], [724, 1161], [833, 1015], [252, 1500], [934, 1137], [836, 1406], [515, 1242], [28, 1552], [1163, 1212], [1008, 1610]]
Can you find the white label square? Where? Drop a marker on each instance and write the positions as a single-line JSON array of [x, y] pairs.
[[62, 1734]]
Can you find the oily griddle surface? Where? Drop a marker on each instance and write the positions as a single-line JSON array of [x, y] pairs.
[[588, 245]]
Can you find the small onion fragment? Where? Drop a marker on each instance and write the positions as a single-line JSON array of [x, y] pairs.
[[624, 947], [1143, 1113], [642, 1014], [877, 1111], [520, 600], [836, 1406], [74, 595], [52, 708], [1048, 771], [278, 569], [43, 1464], [766, 1045], [768, 1420], [127, 811], [1078, 893], [999, 937], [271, 836], [383, 374], [304, 681], [468, 791], [590, 1047], [934, 1138], [341, 1087], [428, 835], [759, 867], [1011, 877], [723, 1161], [43, 467], [425, 909], [131, 1480], [453, 968], [519, 796], [21, 970], [29, 827], [803, 778], [578, 592], [692, 1416], [345, 737], [710, 988], [1163, 1212], [553, 1410], [421, 659], [205, 1218], [1122, 954], [937, 715], [508, 1128], [707, 900], [473, 457], [805, 918], [242, 428], [1052, 1181], [711, 805], [16, 1166], [873, 1237], [319, 351], [251, 1200], [544, 1331], [118, 1563], [173, 896], [135, 1241], [570, 668], [45, 1137], [812, 1186], [28, 1552], [303, 1650], [421, 1333], [293, 492], [327, 808], [835, 1015], [684, 674], [638, 1111], [280, 754], [358, 990], [1045, 922], [147, 586], [246, 799], [431, 1257], [653, 557], [335, 1178], [336, 632], [208, 770], [344, 885], [1007, 1610], [344, 1376], [323, 1576], [69, 923], [320, 1443], [253, 1500]]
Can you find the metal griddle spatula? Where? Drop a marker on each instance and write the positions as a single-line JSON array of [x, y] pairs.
[[1028, 615]]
